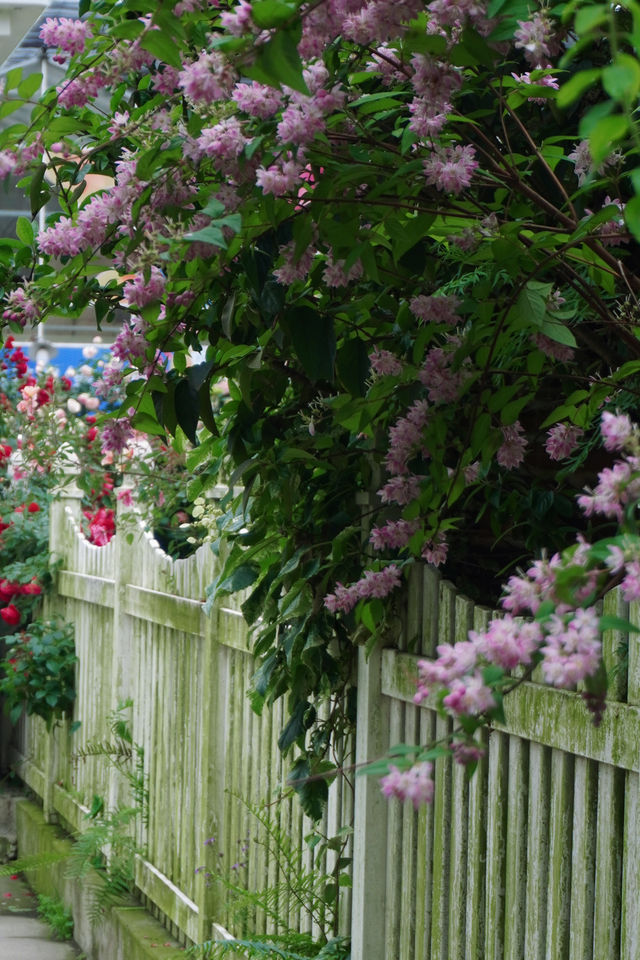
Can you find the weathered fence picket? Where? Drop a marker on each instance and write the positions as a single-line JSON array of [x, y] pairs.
[[536, 856]]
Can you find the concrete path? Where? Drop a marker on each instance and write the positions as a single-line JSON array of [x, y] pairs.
[[23, 936]]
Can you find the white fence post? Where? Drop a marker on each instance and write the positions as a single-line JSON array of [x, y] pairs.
[[370, 816]]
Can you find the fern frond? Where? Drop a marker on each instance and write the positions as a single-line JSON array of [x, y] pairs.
[[215, 949], [118, 749], [37, 861]]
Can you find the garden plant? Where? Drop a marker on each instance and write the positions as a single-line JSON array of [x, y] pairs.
[[404, 237]]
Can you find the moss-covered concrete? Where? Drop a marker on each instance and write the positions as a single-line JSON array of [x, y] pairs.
[[127, 933]]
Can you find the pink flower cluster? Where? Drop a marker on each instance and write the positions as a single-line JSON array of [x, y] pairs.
[[562, 440], [206, 79], [394, 535], [21, 308], [385, 364], [415, 784], [511, 453], [450, 169], [68, 35], [438, 309], [144, 290], [374, 583]]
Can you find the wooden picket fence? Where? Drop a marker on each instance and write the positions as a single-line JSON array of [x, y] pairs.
[[536, 857]]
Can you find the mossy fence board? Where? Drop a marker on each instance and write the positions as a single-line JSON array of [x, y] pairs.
[[536, 856]]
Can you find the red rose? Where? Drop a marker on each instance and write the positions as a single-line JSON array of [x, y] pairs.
[[65, 383], [92, 433], [10, 615], [33, 589], [42, 397], [8, 590], [33, 507]]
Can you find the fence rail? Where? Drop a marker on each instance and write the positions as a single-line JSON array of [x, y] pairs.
[[537, 856]]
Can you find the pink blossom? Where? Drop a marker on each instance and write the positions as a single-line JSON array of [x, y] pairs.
[[21, 308], [394, 535], [536, 38], [415, 784], [79, 90], [237, 21], [562, 440], [572, 648], [68, 35], [116, 434], [443, 384], [617, 486], [436, 309], [616, 430], [400, 490], [293, 269], [523, 595], [465, 753], [508, 642], [469, 696], [279, 180], [256, 99], [374, 583], [131, 342], [511, 454], [435, 551], [207, 79], [8, 163], [453, 661], [631, 584], [405, 439], [613, 231], [335, 274], [385, 364], [141, 291], [451, 169], [223, 143]]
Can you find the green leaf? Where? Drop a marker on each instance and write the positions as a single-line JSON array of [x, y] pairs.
[[611, 622], [632, 216], [163, 48], [605, 134], [621, 80], [271, 13], [30, 85], [589, 17], [278, 62], [352, 364], [558, 332], [243, 576], [187, 408], [295, 727], [39, 192], [314, 342], [24, 231], [576, 86]]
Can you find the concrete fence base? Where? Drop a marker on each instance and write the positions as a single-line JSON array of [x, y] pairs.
[[126, 933]]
